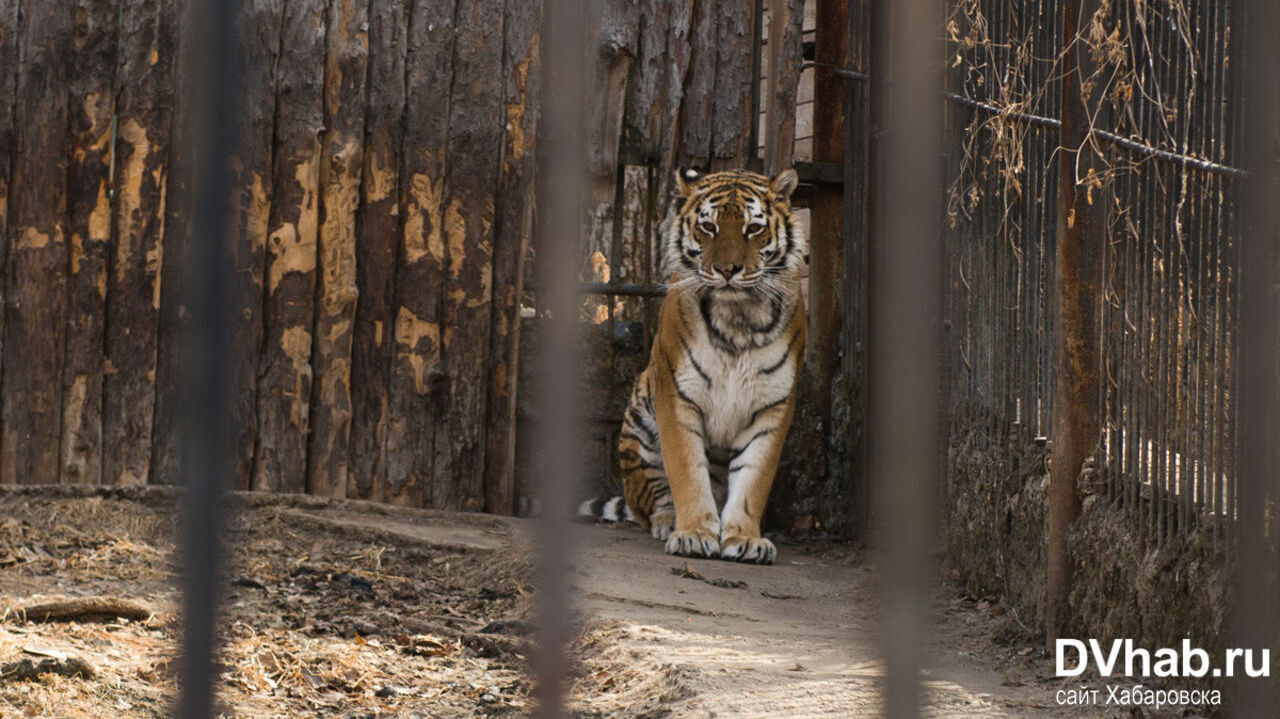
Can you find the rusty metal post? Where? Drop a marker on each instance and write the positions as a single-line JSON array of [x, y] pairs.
[[905, 339], [1076, 303], [1255, 565], [557, 389]]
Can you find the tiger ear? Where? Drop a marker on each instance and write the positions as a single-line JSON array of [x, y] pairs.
[[785, 184], [687, 180]]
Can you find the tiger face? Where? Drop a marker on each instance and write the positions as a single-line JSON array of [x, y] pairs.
[[735, 231]]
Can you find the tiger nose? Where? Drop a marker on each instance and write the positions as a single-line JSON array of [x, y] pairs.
[[728, 271]]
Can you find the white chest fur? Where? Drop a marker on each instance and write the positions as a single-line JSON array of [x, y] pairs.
[[732, 387]]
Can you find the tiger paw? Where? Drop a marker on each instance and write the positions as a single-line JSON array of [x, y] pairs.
[[748, 549], [660, 526], [693, 543]]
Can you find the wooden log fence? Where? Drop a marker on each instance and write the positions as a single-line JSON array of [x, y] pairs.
[[381, 211], [380, 223]]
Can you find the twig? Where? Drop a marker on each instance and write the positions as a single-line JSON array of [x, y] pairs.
[[86, 609]]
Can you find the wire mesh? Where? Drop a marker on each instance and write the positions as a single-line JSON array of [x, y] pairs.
[[1162, 96]]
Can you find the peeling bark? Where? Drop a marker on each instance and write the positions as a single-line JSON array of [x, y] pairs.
[[417, 391], [377, 240], [284, 388], [35, 268], [513, 224], [732, 116], [92, 105], [471, 184], [144, 108], [346, 58]]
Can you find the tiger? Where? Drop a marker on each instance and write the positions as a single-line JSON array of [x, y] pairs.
[[705, 423]]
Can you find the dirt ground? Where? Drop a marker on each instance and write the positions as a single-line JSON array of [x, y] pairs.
[[348, 609]]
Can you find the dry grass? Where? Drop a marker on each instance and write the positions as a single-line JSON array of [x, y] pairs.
[[317, 623]]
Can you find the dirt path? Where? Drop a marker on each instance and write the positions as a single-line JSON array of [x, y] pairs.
[[794, 640], [351, 609]]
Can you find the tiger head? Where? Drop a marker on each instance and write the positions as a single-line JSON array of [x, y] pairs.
[[735, 230]]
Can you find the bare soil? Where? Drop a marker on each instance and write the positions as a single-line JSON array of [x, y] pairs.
[[350, 609], [334, 609]]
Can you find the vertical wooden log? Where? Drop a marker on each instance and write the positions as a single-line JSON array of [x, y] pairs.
[[475, 147], [92, 106], [258, 44], [144, 110], [9, 53], [513, 225], [786, 28], [378, 231], [609, 56], [36, 281], [166, 434], [699, 93], [862, 106], [609, 60], [284, 391], [260, 28], [826, 230], [346, 57], [645, 111], [657, 99], [732, 116], [418, 384], [9, 41]]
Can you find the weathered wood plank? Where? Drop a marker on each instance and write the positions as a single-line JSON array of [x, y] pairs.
[[475, 146], [378, 232], [166, 435], [671, 44], [826, 231], [513, 225], [610, 54], [144, 108], [258, 43], [261, 26], [284, 390], [611, 51], [9, 46], [35, 269], [346, 58], [699, 92], [656, 90], [732, 116], [418, 388], [786, 20], [92, 105]]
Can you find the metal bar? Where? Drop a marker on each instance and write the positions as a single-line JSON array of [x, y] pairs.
[[1259, 423], [843, 72], [203, 403], [1128, 144], [557, 391], [906, 340], [620, 289]]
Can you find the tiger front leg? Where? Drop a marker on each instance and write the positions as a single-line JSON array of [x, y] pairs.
[[697, 531], [751, 470]]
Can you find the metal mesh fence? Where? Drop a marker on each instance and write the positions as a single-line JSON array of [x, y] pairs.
[[1159, 84]]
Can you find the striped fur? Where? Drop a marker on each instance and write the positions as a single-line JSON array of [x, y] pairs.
[[704, 427]]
